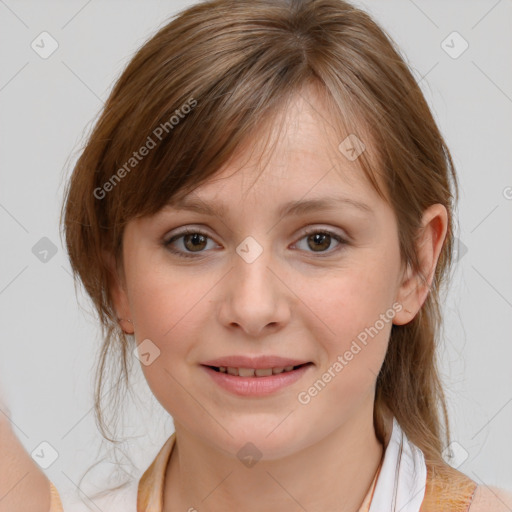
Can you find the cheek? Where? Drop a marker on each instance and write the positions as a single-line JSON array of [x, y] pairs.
[[167, 305], [347, 301], [352, 320], [166, 314], [165, 299]]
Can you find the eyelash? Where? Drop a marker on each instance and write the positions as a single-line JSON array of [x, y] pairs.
[[181, 234]]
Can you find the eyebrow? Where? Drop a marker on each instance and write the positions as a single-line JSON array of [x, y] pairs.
[[290, 208]]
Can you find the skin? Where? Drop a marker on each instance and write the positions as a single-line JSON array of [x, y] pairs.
[[295, 300], [23, 485]]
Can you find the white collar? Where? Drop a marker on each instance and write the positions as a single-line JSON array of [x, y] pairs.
[[403, 475]]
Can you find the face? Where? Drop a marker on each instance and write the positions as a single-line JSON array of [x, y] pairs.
[[317, 286]]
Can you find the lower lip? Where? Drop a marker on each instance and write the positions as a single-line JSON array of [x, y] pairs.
[[256, 386]]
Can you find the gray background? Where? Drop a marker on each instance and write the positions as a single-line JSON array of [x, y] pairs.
[[49, 342]]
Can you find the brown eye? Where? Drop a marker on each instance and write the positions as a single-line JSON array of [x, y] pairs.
[[194, 242], [186, 243], [319, 241]]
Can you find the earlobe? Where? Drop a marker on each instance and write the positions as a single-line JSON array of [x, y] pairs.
[[118, 294], [407, 286], [415, 286]]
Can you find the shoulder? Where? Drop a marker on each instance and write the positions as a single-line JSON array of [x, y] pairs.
[[491, 498]]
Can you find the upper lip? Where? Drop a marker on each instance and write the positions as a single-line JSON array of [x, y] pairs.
[[254, 362]]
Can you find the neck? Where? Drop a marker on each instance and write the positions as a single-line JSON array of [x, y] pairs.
[[334, 473]]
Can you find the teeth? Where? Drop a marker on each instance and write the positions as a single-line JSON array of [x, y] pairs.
[[263, 372], [251, 372]]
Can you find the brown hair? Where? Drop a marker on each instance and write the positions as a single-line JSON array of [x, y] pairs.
[[235, 64]]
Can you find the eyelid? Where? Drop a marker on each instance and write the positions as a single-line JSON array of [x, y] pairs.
[[189, 229], [322, 229]]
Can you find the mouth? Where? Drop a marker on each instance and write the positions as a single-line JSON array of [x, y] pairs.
[[257, 372], [256, 382]]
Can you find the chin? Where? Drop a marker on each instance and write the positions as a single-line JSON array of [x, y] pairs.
[[255, 442]]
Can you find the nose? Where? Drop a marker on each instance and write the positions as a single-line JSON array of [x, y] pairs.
[[255, 297]]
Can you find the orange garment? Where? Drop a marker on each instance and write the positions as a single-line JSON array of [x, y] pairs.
[[448, 490], [55, 503]]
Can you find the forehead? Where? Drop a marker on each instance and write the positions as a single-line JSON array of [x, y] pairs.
[[300, 153]]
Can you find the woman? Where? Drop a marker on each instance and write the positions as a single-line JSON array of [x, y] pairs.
[[264, 212]]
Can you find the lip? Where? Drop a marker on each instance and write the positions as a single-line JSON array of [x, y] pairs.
[[256, 386], [259, 362]]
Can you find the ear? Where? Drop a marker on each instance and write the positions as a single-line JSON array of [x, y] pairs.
[[117, 288], [414, 290]]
